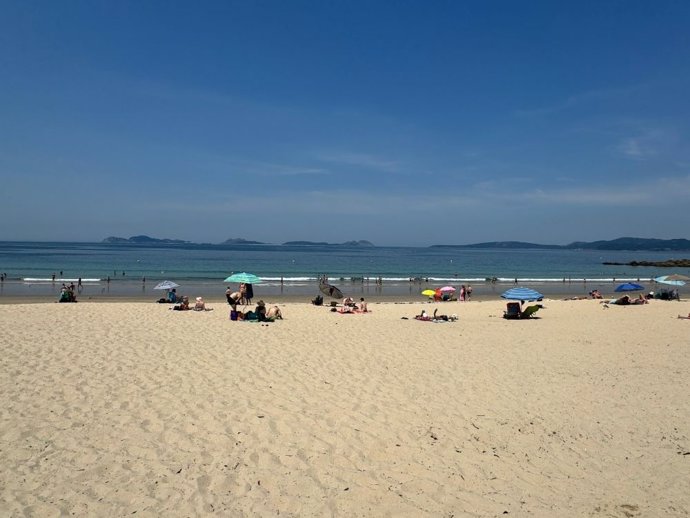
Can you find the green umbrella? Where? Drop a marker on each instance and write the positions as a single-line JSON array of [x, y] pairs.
[[247, 278]]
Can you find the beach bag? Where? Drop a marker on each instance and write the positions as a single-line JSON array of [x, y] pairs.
[[233, 315]]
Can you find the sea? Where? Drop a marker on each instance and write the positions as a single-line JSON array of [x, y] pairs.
[[38, 269]]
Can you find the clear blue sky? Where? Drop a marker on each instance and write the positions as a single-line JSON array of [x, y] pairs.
[[400, 122]]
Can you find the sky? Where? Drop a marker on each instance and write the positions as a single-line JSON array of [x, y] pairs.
[[397, 122]]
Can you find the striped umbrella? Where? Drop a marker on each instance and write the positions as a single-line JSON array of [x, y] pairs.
[[522, 294]]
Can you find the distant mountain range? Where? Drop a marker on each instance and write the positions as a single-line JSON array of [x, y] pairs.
[[146, 240], [322, 243], [622, 243]]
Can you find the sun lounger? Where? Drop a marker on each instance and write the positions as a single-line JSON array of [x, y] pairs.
[[513, 311], [530, 310]]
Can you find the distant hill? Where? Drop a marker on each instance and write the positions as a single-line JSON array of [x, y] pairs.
[[634, 243], [323, 243], [622, 243], [500, 244], [240, 241], [143, 240]]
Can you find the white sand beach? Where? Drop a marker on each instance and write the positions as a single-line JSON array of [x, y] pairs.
[[114, 409]]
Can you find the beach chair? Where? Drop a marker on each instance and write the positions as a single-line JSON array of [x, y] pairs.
[[512, 310], [530, 310]]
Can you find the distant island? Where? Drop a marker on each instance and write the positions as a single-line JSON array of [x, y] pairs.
[[147, 240], [240, 241], [669, 263], [322, 243], [622, 243], [144, 240]]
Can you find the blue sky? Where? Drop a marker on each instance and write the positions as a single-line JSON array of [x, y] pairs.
[[399, 122]]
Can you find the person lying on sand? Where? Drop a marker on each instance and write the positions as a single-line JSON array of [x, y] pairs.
[[684, 318], [436, 317]]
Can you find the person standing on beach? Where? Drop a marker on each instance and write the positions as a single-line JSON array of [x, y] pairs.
[[468, 292]]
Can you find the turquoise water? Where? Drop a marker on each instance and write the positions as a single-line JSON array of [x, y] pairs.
[[297, 268]]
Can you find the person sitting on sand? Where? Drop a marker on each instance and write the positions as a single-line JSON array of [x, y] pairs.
[[595, 294], [200, 305], [348, 302], [362, 306], [274, 313], [183, 305], [260, 311]]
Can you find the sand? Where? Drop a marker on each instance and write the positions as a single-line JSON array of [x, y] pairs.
[[121, 409]]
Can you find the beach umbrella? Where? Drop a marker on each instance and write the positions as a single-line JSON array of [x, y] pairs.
[[673, 280], [243, 277], [330, 290], [428, 293], [447, 288], [677, 277], [522, 294], [629, 286], [166, 285]]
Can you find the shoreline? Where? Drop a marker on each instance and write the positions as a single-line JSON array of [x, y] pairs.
[[12, 292]]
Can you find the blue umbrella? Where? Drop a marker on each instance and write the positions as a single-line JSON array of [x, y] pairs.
[[629, 286], [522, 294], [247, 278]]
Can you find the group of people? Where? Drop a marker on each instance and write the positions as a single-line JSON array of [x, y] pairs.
[[183, 305], [67, 293], [244, 297], [350, 306], [626, 300], [259, 314], [464, 294]]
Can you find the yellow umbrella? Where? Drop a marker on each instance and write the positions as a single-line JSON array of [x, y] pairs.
[[429, 293]]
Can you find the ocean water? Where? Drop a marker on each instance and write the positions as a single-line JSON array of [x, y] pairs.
[[121, 269]]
